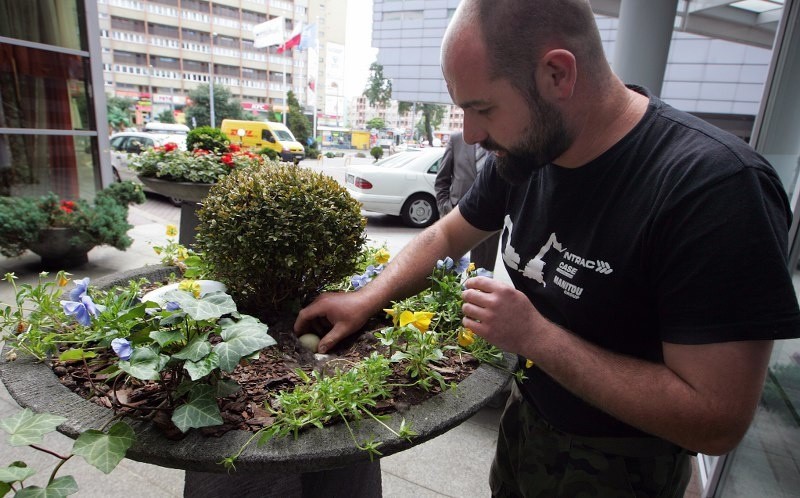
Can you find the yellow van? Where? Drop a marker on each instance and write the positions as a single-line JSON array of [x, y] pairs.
[[260, 134]]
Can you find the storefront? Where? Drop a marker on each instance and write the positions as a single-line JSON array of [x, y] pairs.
[[49, 74]]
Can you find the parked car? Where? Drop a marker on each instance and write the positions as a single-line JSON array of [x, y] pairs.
[[399, 185], [128, 143]]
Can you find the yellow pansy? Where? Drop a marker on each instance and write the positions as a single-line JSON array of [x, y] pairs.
[[62, 280], [172, 230], [466, 337], [471, 267], [419, 319], [392, 313], [382, 256], [528, 363], [192, 286], [183, 253]]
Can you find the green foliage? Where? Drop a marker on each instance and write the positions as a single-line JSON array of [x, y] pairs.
[[120, 112], [379, 89], [207, 138], [377, 123], [225, 106], [296, 121], [166, 116], [105, 222], [198, 166], [102, 450], [271, 154], [276, 233], [376, 152]]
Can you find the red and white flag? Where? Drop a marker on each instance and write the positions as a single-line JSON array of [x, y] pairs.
[[293, 41]]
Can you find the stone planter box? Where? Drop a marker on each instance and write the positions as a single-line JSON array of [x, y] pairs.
[[317, 463]]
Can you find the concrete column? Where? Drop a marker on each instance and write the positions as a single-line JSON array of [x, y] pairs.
[[643, 39]]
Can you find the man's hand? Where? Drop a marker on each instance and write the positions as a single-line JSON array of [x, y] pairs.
[[333, 316], [501, 314]]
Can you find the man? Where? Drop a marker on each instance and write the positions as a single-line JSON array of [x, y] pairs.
[[460, 165], [630, 232]]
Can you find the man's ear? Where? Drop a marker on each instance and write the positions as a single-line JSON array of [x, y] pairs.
[[556, 74]]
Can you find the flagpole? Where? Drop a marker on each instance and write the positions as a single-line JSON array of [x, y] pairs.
[[316, 82], [285, 93]]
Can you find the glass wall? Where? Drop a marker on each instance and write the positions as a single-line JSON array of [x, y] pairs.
[[767, 462], [48, 123]]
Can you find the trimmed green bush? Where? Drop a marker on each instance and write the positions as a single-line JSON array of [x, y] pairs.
[[207, 138], [376, 152], [276, 234]]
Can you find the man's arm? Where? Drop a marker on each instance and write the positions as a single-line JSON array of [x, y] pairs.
[[335, 316], [444, 180], [702, 397]]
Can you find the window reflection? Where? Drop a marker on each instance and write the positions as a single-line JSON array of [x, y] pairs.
[[53, 22]]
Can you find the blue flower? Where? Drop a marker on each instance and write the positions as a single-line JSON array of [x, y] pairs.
[[122, 347], [370, 271], [483, 272], [463, 263], [82, 310], [172, 306], [446, 264], [81, 287], [359, 281]]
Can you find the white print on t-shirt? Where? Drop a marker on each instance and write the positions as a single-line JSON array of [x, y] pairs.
[[568, 266]]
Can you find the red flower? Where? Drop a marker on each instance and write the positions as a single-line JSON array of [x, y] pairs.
[[170, 146], [227, 159], [67, 206], [234, 148]]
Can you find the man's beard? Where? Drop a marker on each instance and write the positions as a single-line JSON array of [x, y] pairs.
[[542, 141]]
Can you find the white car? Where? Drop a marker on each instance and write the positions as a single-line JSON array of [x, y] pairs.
[[128, 143], [400, 185]]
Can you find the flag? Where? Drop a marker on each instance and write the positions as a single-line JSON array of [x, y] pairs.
[[293, 40], [269, 33], [308, 38]]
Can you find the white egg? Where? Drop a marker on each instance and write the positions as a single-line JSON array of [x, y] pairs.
[[309, 341]]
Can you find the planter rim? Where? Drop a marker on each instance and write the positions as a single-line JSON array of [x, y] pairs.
[[33, 385], [186, 191]]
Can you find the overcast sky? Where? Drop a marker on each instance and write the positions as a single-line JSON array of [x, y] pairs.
[[359, 53]]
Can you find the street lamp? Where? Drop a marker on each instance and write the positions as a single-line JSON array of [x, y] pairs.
[[241, 133]]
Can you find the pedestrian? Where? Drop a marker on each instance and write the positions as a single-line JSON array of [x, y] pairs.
[[647, 250], [460, 165]]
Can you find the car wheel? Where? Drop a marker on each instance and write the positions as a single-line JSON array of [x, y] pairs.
[[175, 201], [419, 211]]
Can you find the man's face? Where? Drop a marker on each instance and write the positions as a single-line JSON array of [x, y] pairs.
[[543, 139], [526, 132]]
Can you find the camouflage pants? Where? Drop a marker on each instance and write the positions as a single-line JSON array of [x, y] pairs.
[[534, 459]]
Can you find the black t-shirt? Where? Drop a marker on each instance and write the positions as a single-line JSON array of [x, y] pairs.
[[678, 233]]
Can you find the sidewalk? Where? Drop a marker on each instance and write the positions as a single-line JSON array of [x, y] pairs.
[[455, 464]]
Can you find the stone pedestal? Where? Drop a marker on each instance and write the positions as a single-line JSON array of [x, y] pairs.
[[190, 194]]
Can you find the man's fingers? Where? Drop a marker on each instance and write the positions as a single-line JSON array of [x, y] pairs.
[[329, 340]]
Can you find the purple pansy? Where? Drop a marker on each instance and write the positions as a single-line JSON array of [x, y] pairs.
[[172, 306], [82, 310], [462, 265], [483, 272], [359, 281], [122, 347], [446, 263], [80, 290]]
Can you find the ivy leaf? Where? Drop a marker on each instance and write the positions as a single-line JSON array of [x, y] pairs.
[[199, 369], [166, 337], [105, 451], [76, 355], [144, 364], [27, 427], [200, 411], [197, 349], [241, 339], [15, 472], [226, 387], [211, 306], [59, 488]]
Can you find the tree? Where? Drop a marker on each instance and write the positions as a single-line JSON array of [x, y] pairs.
[[165, 116], [432, 115], [296, 121], [119, 111], [225, 106], [376, 123], [379, 89]]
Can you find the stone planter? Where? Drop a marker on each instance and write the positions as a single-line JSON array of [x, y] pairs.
[[320, 462], [57, 251], [190, 194]]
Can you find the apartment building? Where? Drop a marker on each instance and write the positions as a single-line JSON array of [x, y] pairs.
[[157, 51]]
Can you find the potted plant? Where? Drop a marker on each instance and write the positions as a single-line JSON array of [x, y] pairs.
[[274, 236], [188, 174], [62, 231]]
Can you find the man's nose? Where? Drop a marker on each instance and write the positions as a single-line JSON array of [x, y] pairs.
[[473, 133]]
